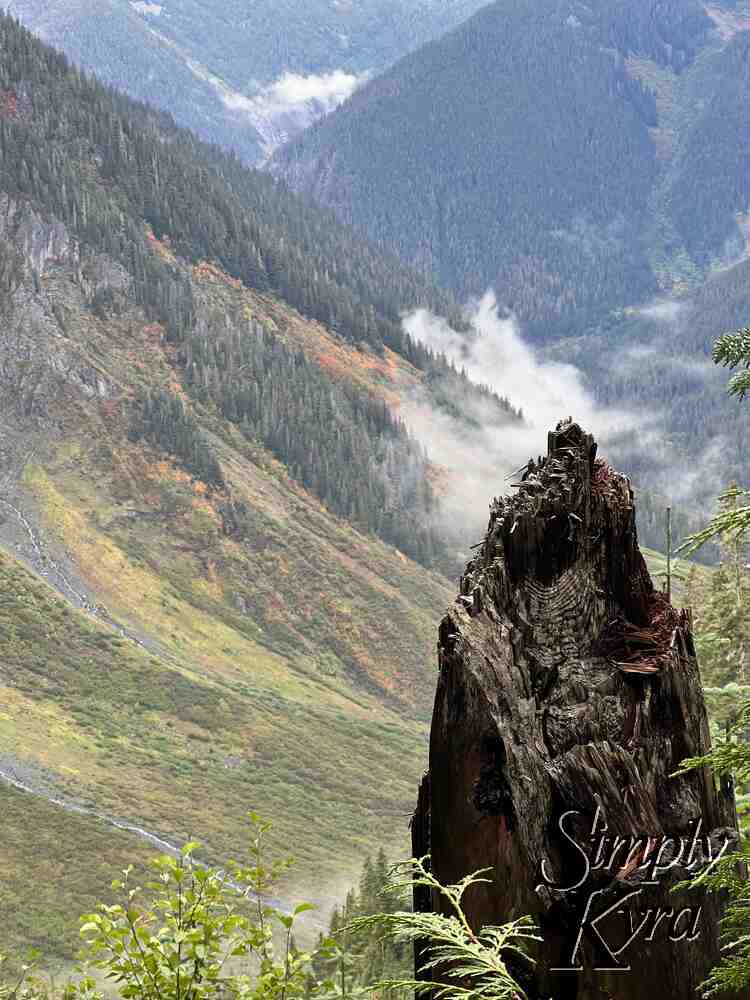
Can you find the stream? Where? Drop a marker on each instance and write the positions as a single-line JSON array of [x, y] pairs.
[[164, 845], [41, 562], [45, 566]]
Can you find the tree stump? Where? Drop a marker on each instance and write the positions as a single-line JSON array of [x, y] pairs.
[[568, 695]]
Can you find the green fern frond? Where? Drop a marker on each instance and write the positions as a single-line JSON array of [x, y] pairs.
[[728, 876], [467, 965]]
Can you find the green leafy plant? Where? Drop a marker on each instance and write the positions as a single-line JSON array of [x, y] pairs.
[[27, 984], [732, 350], [186, 935], [731, 523], [203, 933], [729, 876], [729, 756], [461, 964]]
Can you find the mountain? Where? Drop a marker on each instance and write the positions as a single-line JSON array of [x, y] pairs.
[[224, 635], [523, 153], [221, 555], [245, 76], [220, 563], [588, 163], [657, 359]]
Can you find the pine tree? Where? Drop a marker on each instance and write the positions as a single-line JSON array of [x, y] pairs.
[[163, 420]]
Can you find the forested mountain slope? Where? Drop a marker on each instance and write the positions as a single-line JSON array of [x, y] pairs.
[[243, 75], [514, 152], [216, 479], [589, 163], [656, 359], [105, 165], [245, 628], [573, 157]]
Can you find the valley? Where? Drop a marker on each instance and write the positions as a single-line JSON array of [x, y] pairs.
[[593, 176], [257, 76], [252, 420]]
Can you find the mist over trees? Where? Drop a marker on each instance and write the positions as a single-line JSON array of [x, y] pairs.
[[586, 163]]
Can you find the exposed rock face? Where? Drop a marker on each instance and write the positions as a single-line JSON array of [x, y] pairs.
[[39, 363], [41, 241], [569, 685]]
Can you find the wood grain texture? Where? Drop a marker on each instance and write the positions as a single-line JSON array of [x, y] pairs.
[[567, 684]]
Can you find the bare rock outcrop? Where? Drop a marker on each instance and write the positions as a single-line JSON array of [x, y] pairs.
[[568, 695], [46, 284]]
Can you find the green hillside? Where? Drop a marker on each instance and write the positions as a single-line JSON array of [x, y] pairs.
[[105, 166], [231, 632], [574, 158], [213, 721], [658, 361], [155, 201], [69, 860], [254, 588]]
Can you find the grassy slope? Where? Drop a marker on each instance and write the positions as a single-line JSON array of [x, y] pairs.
[[114, 728], [293, 670], [657, 567], [117, 728], [55, 865], [187, 750], [184, 749]]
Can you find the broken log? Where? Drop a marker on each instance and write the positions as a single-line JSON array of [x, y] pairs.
[[568, 695]]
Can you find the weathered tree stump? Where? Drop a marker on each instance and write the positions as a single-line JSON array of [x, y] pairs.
[[568, 694]]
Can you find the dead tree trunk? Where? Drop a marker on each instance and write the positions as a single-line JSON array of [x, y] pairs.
[[568, 694]]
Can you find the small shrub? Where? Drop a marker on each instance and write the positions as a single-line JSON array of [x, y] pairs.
[[202, 933]]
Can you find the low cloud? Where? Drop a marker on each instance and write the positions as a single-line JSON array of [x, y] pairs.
[[147, 9], [693, 483], [664, 311], [632, 360], [480, 460], [326, 91], [494, 354], [293, 101], [638, 352]]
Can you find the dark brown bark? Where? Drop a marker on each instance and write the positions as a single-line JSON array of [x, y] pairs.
[[420, 847], [568, 684]]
